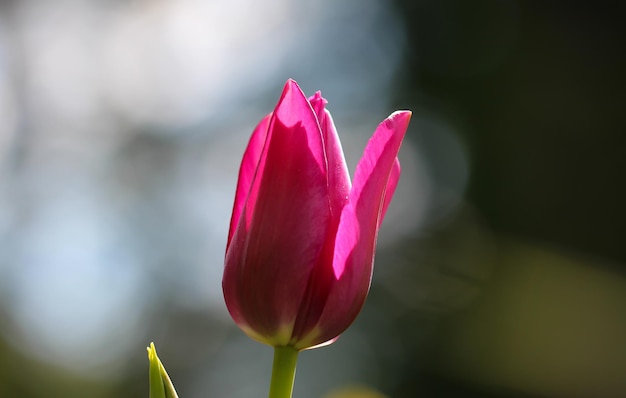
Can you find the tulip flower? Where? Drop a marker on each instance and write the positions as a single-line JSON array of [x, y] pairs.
[[300, 249]]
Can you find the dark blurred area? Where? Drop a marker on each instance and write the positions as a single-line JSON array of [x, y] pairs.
[[500, 269], [538, 89]]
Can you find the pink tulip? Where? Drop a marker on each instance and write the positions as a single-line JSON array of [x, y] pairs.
[[301, 244]]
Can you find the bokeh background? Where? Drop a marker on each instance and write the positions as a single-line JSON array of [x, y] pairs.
[[501, 265]]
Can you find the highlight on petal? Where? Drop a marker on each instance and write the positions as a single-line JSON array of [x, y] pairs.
[[247, 170], [293, 110]]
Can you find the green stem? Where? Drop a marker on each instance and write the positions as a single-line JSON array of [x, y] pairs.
[[283, 372]]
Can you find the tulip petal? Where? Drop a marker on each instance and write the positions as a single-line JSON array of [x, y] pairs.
[[283, 226], [370, 182], [394, 177], [338, 176], [358, 228], [247, 169], [322, 278]]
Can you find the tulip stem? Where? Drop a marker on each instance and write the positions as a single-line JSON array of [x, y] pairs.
[[283, 372]]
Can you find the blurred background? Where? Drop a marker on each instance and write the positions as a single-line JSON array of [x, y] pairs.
[[501, 264]]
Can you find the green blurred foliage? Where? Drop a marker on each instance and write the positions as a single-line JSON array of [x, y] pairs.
[[535, 89], [354, 392], [548, 323]]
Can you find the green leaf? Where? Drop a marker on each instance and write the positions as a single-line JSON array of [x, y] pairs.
[[160, 384]]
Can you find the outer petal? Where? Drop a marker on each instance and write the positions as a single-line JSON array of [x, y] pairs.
[[283, 227], [247, 169], [358, 228]]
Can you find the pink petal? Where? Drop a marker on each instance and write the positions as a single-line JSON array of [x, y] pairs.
[[278, 240], [246, 172], [358, 228], [370, 182], [394, 177], [322, 278], [338, 176]]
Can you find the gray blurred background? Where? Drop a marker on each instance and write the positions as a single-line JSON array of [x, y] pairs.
[[501, 264]]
